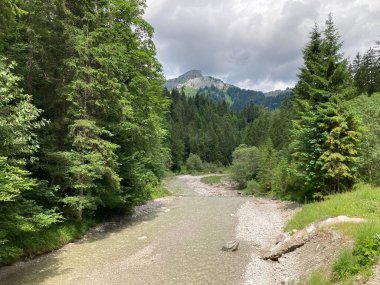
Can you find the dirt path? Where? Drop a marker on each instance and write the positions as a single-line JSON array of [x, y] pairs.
[[178, 240], [375, 280]]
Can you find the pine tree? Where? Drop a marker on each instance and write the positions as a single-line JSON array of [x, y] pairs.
[[325, 135], [19, 119]]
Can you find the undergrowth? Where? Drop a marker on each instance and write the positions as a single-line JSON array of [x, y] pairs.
[[356, 262], [49, 239], [210, 180]]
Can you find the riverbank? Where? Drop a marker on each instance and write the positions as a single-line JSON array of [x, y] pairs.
[[355, 263], [178, 240], [33, 244]]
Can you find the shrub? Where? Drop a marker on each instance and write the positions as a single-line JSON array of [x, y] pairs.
[[194, 163], [245, 164], [253, 188]]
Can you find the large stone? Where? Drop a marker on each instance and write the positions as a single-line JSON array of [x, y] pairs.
[[232, 245], [287, 243]]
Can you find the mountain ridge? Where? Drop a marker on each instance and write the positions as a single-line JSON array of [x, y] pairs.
[[194, 83]]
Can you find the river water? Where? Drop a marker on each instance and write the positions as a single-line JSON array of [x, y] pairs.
[[178, 243]]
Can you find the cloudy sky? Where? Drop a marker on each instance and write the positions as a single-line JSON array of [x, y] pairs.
[[253, 44]]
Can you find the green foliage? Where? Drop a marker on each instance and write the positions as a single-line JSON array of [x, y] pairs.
[[90, 68], [214, 179], [326, 134], [361, 258], [368, 110], [159, 192], [18, 122], [194, 163], [261, 171], [363, 202], [317, 278], [245, 164], [253, 188], [366, 71], [52, 238], [199, 126]]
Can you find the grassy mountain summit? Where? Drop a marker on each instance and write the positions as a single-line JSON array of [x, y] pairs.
[[193, 83]]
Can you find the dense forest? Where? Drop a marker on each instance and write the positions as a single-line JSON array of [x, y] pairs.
[[209, 131], [87, 129], [82, 116], [334, 132]]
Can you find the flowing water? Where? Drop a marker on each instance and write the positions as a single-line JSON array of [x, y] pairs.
[[178, 243]]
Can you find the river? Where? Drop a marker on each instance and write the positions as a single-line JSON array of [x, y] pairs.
[[179, 242]]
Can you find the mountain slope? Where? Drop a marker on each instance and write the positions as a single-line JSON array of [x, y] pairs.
[[194, 83]]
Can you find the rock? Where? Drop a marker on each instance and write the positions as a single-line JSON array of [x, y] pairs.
[[281, 238], [285, 281], [104, 227], [231, 246], [142, 238], [167, 211], [232, 215], [290, 244]]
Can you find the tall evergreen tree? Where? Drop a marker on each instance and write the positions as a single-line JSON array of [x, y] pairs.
[[19, 119], [326, 135]]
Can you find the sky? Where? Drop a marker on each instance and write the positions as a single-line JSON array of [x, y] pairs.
[[254, 44]]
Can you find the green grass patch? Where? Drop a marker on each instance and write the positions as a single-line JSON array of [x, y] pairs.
[[210, 180], [54, 237], [190, 92], [363, 202], [318, 278], [159, 192]]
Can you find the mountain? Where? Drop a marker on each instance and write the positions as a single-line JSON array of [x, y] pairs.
[[194, 83]]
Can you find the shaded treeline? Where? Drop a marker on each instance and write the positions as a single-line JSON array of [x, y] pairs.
[[88, 138]]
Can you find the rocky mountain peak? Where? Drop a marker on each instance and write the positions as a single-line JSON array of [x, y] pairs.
[[175, 82], [195, 80]]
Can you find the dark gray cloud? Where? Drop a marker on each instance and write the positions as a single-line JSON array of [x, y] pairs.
[[253, 43]]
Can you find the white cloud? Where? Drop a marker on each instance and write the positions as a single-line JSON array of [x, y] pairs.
[[252, 43]]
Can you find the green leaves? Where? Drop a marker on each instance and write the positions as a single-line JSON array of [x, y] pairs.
[[326, 135], [19, 119]]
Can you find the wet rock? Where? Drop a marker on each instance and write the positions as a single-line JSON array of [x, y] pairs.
[[104, 227], [231, 246]]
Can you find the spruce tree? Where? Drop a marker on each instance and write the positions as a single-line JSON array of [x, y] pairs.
[[19, 119], [326, 134]]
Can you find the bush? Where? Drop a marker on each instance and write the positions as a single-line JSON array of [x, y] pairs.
[[210, 180], [211, 167], [253, 188], [245, 164], [194, 163]]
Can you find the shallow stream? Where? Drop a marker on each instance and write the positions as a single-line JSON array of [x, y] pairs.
[[178, 243]]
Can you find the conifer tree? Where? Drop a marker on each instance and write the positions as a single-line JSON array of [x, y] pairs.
[[326, 134], [19, 119]]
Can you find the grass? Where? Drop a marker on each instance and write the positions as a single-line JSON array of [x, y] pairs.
[[210, 180], [190, 92], [159, 192], [49, 239], [363, 202], [59, 234]]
